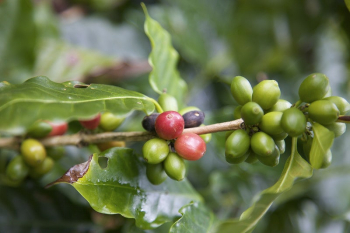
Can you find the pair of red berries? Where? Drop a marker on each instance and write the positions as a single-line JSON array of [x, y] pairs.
[[169, 125]]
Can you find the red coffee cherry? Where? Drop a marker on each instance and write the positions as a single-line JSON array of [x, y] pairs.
[[169, 125], [190, 146], [58, 128], [92, 123]]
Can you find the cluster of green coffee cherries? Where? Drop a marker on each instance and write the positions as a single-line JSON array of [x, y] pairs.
[[35, 160], [268, 120], [165, 154]]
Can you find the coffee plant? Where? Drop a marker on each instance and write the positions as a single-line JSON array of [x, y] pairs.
[[146, 176]]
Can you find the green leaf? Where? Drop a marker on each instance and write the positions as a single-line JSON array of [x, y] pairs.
[[347, 3], [122, 188], [195, 218], [39, 98], [163, 60], [295, 167], [322, 142]]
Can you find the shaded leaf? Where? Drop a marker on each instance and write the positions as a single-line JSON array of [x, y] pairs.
[[122, 188], [322, 142], [295, 167], [347, 3], [163, 60], [195, 218], [39, 98]]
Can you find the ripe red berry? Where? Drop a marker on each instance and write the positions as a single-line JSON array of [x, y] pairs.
[[58, 128], [92, 123], [190, 146], [169, 125]]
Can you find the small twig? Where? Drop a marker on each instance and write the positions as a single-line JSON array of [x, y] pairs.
[[82, 139]]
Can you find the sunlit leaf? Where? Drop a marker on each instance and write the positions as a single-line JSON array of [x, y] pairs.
[[347, 2], [195, 218], [39, 98], [163, 60], [322, 142], [295, 167], [122, 188]]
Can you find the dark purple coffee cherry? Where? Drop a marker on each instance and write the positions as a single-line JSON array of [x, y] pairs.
[[193, 119], [149, 121]]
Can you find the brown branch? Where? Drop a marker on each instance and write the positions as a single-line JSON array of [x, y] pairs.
[[81, 139]]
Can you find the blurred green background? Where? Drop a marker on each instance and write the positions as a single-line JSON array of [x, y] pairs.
[[102, 41]]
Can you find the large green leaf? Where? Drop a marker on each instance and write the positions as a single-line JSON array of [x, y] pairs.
[[195, 218], [122, 188], [39, 98], [347, 3], [322, 142], [163, 60], [295, 167]]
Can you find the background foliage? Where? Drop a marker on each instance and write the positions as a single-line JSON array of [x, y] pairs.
[[104, 42]]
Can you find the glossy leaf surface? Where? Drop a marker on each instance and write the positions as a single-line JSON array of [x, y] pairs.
[[322, 142], [122, 188], [163, 60], [39, 98], [295, 167]]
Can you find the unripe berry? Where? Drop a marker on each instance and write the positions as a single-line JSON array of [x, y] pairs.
[[251, 113], [237, 112], [271, 160], [168, 102], [155, 173], [271, 123], [262, 144], [56, 152], [43, 168], [323, 112], [175, 167], [280, 106], [237, 144], [155, 150], [252, 157], [327, 159], [91, 123], [110, 122], [341, 103], [241, 90], [17, 169], [169, 125], [148, 122], [293, 122], [33, 152], [39, 129], [190, 146], [266, 93], [193, 119], [314, 87], [337, 128]]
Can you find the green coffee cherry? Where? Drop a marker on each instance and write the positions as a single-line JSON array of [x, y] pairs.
[[329, 92], [175, 167], [314, 87], [236, 160], [271, 123], [168, 102], [341, 103], [39, 129], [237, 145], [155, 150], [252, 157], [44, 167], [293, 122], [279, 137], [266, 93], [237, 112], [56, 152], [241, 90], [262, 144], [206, 137], [155, 173], [280, 106], [228, 133], [271, 160], [327, 160], [251, 113], [323, 112], [337, 128], [33, 152], [188, 109], [17, 169], [281, 145], [110, 122]]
